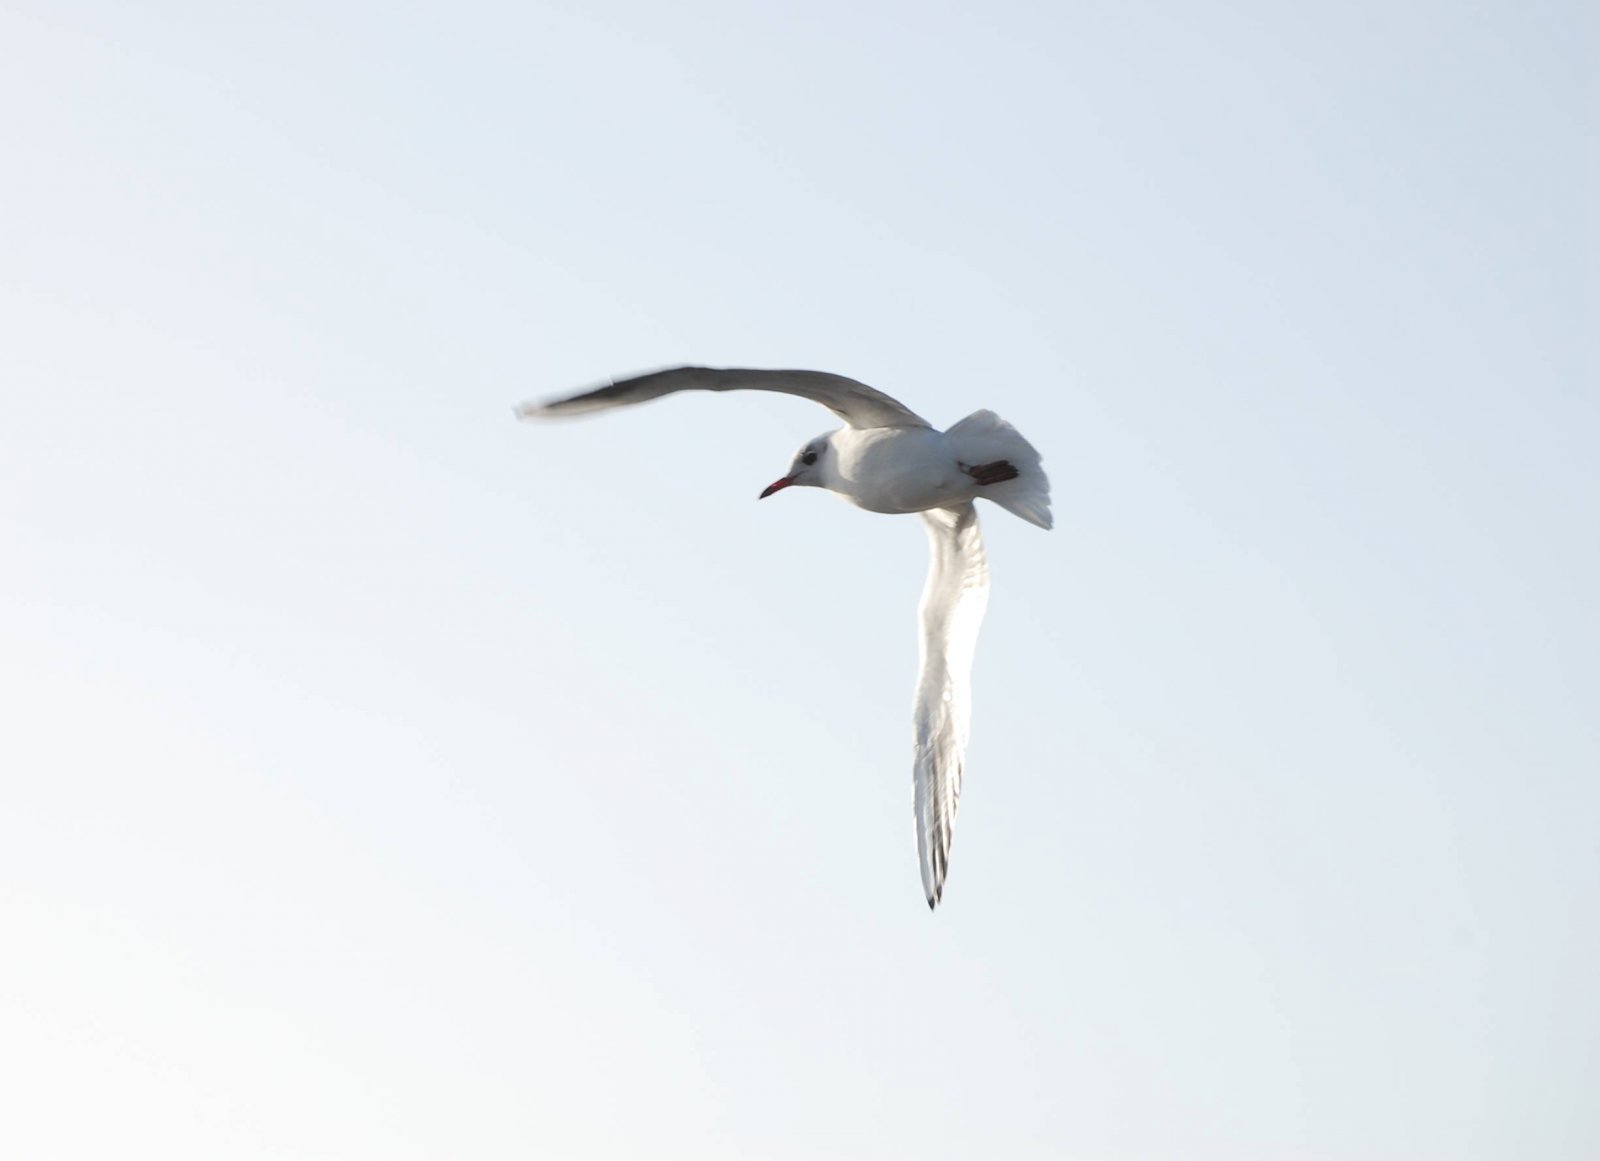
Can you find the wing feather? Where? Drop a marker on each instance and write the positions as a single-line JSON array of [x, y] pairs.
[[953, 603], [855, 403]]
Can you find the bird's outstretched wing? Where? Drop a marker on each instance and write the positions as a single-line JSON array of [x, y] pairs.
[[953, 602], [855, 403]]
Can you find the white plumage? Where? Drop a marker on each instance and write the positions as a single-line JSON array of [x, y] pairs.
[[889, 459]]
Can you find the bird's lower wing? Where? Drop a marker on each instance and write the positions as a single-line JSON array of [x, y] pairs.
[[855, 403], [953, 603]]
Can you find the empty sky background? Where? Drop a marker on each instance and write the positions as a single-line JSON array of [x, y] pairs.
[[386, 779]]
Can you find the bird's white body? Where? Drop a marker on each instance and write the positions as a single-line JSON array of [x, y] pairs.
[[889, 459], [899, 470], [895, 469]]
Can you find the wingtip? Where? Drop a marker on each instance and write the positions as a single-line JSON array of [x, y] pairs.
[[549, 409], [559, 408]]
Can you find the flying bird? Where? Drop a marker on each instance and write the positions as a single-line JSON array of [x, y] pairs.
[[889, 459]]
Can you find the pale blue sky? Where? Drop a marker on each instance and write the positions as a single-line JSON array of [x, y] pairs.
[[385, 779]]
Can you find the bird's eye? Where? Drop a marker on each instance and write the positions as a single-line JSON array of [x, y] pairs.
[[809, 458]]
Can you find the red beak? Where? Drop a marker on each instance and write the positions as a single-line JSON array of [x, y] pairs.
[[776, 486]]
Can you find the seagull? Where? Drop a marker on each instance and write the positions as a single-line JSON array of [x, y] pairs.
[[889, 459]]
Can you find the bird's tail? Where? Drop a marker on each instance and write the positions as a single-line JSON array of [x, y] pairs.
[[984, 438]]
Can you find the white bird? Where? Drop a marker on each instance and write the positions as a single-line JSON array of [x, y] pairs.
[[889, 459]]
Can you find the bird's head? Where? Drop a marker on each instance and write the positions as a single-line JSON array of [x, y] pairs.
[[807, 470]]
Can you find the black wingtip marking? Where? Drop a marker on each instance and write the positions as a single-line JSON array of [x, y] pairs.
[[996, 472]]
